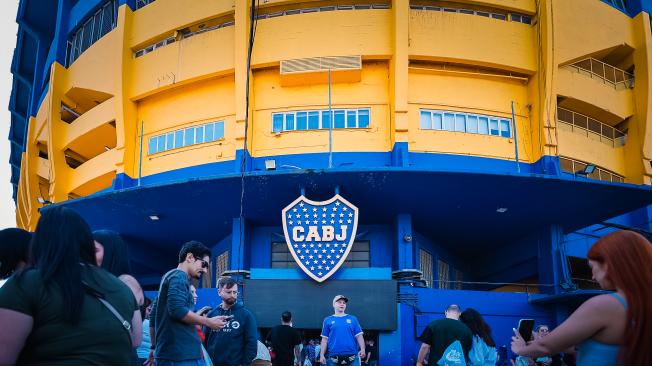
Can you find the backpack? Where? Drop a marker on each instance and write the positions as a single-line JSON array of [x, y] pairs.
[[481, 354], [453, 355]]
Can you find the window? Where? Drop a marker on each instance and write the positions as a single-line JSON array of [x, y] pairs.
[[358, 256], [315, 120], [140, 4], [443, 271], [221, 264], [425, 266], [465, 122], [99, 23], [186, 137]]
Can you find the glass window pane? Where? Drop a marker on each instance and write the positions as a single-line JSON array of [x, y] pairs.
[[277, 122], [190, 136], [449, 122], [325, 119], [161, 143], [351, 119], [436, 121], [493, 127], [199, 135], [460, 122], [504, 128], [178, 139], [338, 117], [302, 120], [169, 143], [363, 118], [472, 124], [483, 125], [153, 145], [289, 122], [426, 120], [209, 132], [313, 120], [219, 130]]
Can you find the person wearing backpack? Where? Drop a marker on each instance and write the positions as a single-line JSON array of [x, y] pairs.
[[483, 350], [447, 341]]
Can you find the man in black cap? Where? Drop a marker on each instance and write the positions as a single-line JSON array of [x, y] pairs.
[[439, 334], [339, 336]]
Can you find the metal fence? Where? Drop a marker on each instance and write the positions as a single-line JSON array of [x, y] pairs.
[[573, 166], [607, 73], [591, 127]]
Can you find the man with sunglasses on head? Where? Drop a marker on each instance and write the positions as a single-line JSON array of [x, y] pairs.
[[237, 343], [175, 341]]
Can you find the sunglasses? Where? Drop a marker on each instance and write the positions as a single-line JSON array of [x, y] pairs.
[[204, 264]]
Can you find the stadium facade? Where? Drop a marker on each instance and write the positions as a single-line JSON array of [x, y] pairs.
[[485, 145]]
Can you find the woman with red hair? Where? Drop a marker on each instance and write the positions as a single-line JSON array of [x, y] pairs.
[[610, 329]]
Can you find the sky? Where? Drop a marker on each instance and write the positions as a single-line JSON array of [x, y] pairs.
[[8, 27]]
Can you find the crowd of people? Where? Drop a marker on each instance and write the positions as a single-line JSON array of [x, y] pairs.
[[67, 297]]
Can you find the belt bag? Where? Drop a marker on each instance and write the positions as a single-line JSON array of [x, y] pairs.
[[343, 359]]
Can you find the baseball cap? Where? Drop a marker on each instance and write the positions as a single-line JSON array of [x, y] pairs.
[[340, 297]]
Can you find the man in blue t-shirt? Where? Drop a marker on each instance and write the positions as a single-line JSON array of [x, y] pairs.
[[339, 336]]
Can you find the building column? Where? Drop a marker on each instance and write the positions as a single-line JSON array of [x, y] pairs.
[[553, 266], [404, 257], [398, 79], [239, 258]]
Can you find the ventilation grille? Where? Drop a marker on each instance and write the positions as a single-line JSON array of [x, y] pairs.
[[316, 64]]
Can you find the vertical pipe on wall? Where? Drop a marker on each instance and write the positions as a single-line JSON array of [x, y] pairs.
[[140, 160], [518, 166]]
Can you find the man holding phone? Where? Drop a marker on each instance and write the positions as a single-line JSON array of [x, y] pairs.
[[235, 344], [173, 332]]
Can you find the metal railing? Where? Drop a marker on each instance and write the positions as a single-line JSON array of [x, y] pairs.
[[573, 166], [607, 73], [591, 126]]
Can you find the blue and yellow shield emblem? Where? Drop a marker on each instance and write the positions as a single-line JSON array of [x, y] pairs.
[[320, 234]]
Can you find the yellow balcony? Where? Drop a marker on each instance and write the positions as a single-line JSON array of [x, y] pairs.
[[92, 132], [93, 175], [472, 39]]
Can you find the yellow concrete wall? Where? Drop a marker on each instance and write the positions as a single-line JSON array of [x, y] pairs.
[[333, 33], [471, 39], [202, 102], [618, 103], [160, 18], [270, 97], [576, 144], [488, 96]]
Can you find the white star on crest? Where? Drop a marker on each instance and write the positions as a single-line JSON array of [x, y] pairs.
[[332, 250], [303, 245], [337, 203], [311, 257], [350, 214], [315, 222], [291, 222], [344, 208], [337, 256], [341, 215], [319, 267], [301, 204], [302, 257], [312, 268], [319, 245], [304, 210], [332, 262], [341, 221], [341, 250], [319, 256], [328, 268], [314, 209], [294, 209], [323, 250], [299, 222], [332, 221], [319, 273], [334, 209], [306, 215], [348, 221], [312, 245], [323, 222]]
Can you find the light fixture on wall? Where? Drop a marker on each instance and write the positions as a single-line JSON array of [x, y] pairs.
[[501, 209], [43, 201], [270, 164], [588, 170], [154, 217]]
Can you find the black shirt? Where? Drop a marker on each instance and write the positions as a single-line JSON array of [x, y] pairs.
[[373, 352], [283, 339], [439, 334]]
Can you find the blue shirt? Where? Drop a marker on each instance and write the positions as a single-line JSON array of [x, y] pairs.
[[144, 348], [341, 332]]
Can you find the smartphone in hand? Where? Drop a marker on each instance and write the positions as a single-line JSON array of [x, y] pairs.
[[203, 311], [525, 328]]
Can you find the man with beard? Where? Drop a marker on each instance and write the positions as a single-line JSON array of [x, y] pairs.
[[173, 331], [236, 343]]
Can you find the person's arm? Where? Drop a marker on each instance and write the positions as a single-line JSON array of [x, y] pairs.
[[297, 354], [586, 321], [322, 349], [13, 341], [250, 338], [177, 306], [136, 329], [423, 352], [135, 288], [360, 338], [152, 331]]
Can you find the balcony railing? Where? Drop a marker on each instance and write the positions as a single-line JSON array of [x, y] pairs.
[[573, 166], [591, 127], [607, 73]]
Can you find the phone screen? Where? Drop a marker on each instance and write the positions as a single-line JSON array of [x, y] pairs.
[[525, 328]]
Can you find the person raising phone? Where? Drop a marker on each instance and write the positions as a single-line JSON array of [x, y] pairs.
[[610, 329]]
